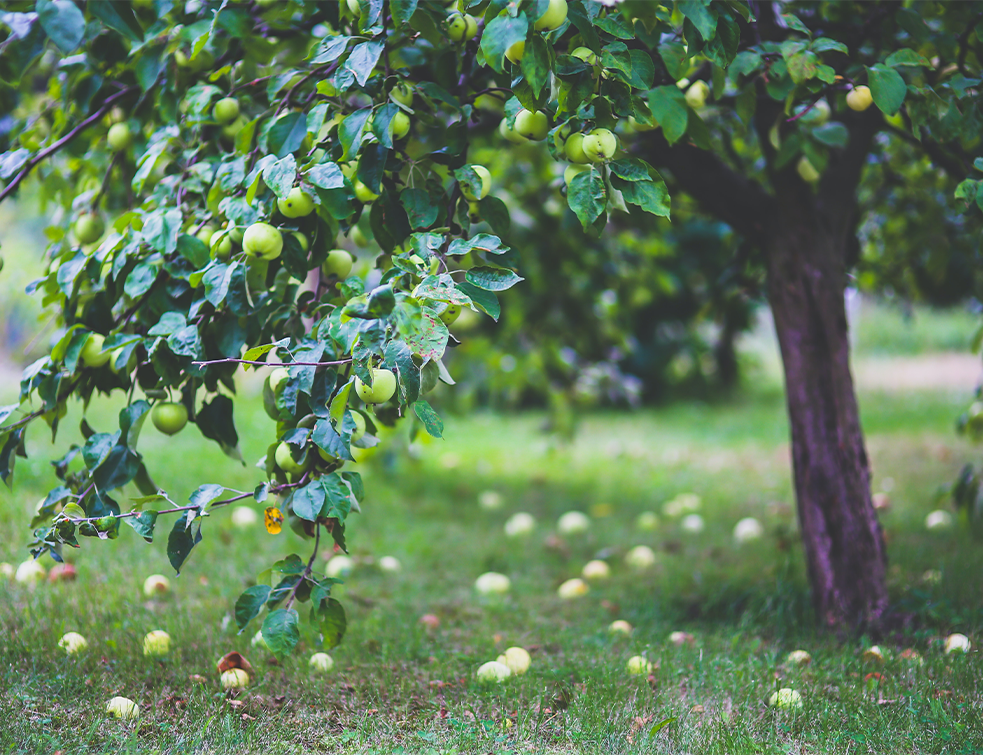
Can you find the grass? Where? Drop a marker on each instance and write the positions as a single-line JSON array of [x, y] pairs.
[[398, 687]]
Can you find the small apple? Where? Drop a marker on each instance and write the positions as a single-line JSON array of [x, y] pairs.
[[572, 588], [62, 573], [169, 417], [957, 643], [29, 572], [286, 461], [382, 389], [363, 193], [449, 315], [231, 130], [119, 137], [647, 521], [785, 698], [492, 583], [807, 171], [399, 125], [859, 98], [430, 621], [226, 110], [92, 354], [573, 148], [873, 654], [221, 246], [532, 124], [339, 566], [297, 204], [515, 51], [620, 627], [596, 570], [205, 234], [798, 658], [88, 228], [7, 570], [938, 520], [678, 639], [486, 183], [517, 659], [586, 54], [402, 93], [748, 529], [236, 233], [553, 18], [390, 564], [696, 95], [490, 500], [321, 662], [640, 557], [510, 134], [157, 643], [600, 145], [262, 240], [520, 524], [493, 672], [572, 171], [156, 584], [123, 707], [234, 678], [637, 665], [460, 27], [72, 643], [358, 237], [243, 517], [573, 523], [692, 524]]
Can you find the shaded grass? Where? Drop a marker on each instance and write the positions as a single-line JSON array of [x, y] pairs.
[[396, 685]]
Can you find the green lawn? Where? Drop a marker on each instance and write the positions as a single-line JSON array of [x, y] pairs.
[[397, 687]]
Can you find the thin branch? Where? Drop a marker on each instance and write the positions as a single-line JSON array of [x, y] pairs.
[[310, 566], [105, 180], [32, 163], [22, 421], [271, 364]]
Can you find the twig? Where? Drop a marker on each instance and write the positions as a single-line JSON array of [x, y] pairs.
[[22, 420], [310, 567], [32, 163], [105, 180], [271, 364]]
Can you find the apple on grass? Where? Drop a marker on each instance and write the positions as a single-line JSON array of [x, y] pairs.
[[647, 521], [62, 573], [957, 643], [573, 588], [157, 643], [155, 585], [785, 698], [640, 557], [748, 529], [339, 566], [492, 583], [520, 524], [620, 626], [390, 564], [72, 643], [29, 572], [798, 658], [493, 672], [517, 659], [490, 500], [573, 523], [169, 417], [382, 389], [123, 707], [638, 665], [234, 678], [321, 662], [596, 570]]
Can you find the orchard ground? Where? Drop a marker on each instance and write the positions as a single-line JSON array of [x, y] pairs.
[[398, 686]]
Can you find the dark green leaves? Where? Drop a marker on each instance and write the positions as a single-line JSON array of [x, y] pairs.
[[287, 134], [62, 21], [281, 632], [185, 535], [492, 278], [143, 524], [887, 88], [431, 421], [331, 620], [587, 196], [250, 603], [503, 32], [363, 60], [118, 16], [668, 105]]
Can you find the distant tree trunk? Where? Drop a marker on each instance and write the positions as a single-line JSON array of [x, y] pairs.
[[725, 353], [843, 542]]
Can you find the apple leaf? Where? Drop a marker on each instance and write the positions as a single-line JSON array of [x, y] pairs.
[[430, 419], [250, 603], [330, 618], [281, 632], [887, 88], [499, 35]]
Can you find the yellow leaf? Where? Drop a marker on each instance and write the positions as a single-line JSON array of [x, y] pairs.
[[274, 520]]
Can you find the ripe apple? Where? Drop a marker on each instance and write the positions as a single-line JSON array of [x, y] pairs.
[[859, 98], [390, 564], [798, 658], [88, 228], [510, 134], [785, 698], [748, 529], [29, 572], [620, 627], [157, 643], [492, 583], [572, 171], [321, 662], [430, 621], [517, 659], [234, 678], [123, 707], [449, 315], [119, 137], [493, 672], [339, 566], [243, 517], [72, 643], [572, 588], [696, 95], [382, 389], [400, 125], [553, 18], [573, 148], [637, 665], [460, 27], [236, 233], [640, 557], [156, 584], [402, 93], [678, 639], [262, 240], [486, 182], [532, 124], [515, 51], [957, 643], [586, 54], [573, 523], [297, 204], [596, 570], [62, 573], [520, 524], [92, 354], [600, 145], [286, 461], [807, 171], [169, 417], [226, 110]]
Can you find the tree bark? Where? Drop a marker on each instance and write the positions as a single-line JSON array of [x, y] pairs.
[[844, 545]]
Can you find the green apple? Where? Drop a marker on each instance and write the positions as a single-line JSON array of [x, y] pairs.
[[532, 124], [553, 18], [807, 171], [402, 93], [573, 148], [262, 240], [156, 584], [486, 181], [382, 389], [354, 7], [515, 51], [72, 643], [226, 110], [169, 417], [221, 246], [359, 430], [321, 662], [450, 314], [205, 234], [493, 672], [286, 461], [572, 172], [237, 678], [92, 354], [123, 707], [119, 137], [363, 193], [88, 228], [358, 237], [638, 665], [231, 130], [510, 134], [157, 643], [400, 125], [696, 95], [460, 27], [297, 204], [236, 234], [859, 98], [302, 240], [600, 145], [586, 54], [338, 263]]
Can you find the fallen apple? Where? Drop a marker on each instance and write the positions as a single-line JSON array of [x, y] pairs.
[[7, 571], [957, 643], [490, 500], [873, 654], [748, 529], [72, 643], [785, 698], [62, 573], [156, 584], [573, 523], [234, 678], [29, 572], [620, 626], [493, 672], [390, 564], [692, 523], [321, 662], [572, 588], [798, 658], [492, 583], [339, 566], [638, 665], [938, 520], [640, 557], [123, 707], [682, 504], [647, 521], [520, 524], [678, 639], [517, 659], [596, 570], [157, 643]]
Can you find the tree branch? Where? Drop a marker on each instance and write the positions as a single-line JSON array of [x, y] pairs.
[[271, 364]]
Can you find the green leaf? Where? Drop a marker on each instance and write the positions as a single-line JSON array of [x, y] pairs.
[[631, 169], [351, 131], [486, 301], [399, 356], [792, 22], [832, 134], [887, 88], [327, 438], [587, 196], [802, 66], [431, 421], [280, 175], [906, 57], [402, 11], [825, 44], [703, 16], [118, 16], [326, 176], [746, 61], [492, 278], [420, 208], [193, 249], [308, 501], [363, 59], [535, 63], [184, 536], [500, 34], [332, 622], [62, 21], [287, 134], [482, 242], [215, 421], [651, 196], [668, 105], [250, 603], [338, 501], [131, 419], [281, 632], [675, 58], [331, 48], [143, 524]]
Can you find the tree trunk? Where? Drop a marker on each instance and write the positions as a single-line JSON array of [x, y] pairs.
[[843, 541]]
